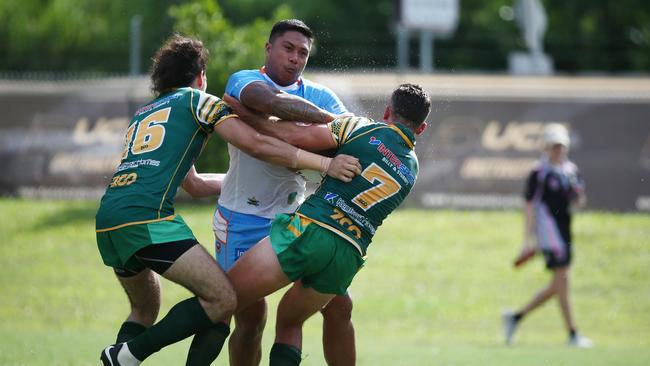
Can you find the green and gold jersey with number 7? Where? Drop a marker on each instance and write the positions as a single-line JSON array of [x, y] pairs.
[[356, 209], [162, 142]]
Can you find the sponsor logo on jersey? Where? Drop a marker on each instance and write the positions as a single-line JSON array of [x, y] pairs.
[[331, 197], [374, 141], [239, 252], [157, 104], [138, 163], [391, 159], [253, 201]]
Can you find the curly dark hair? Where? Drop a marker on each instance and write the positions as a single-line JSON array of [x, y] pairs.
[[177, 63], [411, 103]]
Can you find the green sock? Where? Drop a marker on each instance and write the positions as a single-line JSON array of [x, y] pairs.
[[284, 355], [129, 330], [184, 319], [207, 345]]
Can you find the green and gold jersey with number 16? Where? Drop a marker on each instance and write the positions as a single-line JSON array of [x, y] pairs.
[[389, 165], [162, 142]]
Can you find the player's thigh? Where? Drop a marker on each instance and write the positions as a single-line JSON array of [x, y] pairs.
[[257, 274], [299, 303], [197, 271]]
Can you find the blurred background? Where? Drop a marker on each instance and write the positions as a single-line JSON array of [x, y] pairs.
[[72, 72]]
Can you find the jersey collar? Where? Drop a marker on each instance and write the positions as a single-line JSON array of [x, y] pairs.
[[406, 134], [288, 88]]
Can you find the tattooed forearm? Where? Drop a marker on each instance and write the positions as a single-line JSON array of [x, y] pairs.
[[266, 99], [293, 108]]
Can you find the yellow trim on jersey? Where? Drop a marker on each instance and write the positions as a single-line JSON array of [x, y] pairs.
[[168, 218], [342, 130], [334, 230], [171, 180], [349, 128], [192, 110], [214, 110], [408, 141], [225, 118], [208, 106]]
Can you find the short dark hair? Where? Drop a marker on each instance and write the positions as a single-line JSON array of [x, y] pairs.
[[287, 25], [177, 63], [411, 103]]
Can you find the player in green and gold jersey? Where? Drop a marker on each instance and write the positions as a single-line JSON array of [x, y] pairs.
[[138, 232], [322, 246]]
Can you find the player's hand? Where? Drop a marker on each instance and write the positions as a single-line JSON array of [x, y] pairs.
[[527, 252], [245, 114], [344, 167]]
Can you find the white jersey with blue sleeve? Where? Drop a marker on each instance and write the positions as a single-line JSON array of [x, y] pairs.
[[254, 187]]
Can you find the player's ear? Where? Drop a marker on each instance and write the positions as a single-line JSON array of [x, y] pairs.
[[421, 128], [267, 48]]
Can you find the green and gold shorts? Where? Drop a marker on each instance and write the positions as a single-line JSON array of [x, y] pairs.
[[318, 257], [117, 247]]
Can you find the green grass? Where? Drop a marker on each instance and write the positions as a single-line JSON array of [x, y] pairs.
[[431, 293]]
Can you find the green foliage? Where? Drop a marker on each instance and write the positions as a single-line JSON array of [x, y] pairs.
[[77, 35], [93, 35], [232, 48], [429, 295]]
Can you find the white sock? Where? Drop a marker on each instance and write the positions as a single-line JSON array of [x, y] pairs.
[[126, 358]]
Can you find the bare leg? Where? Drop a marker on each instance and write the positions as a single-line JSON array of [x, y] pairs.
[[540, 298], [257, 274], [338, 332], [197, 271], [245, 344], [143, 291], [296, 306], [561, 278], [215, 299]]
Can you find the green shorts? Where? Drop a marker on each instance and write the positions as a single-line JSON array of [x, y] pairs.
[[317, 256], [118, 246]]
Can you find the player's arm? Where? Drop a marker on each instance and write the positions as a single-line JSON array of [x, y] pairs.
[[202, 185], [529, 209], [311, 137], [266, 99], [276, 151]]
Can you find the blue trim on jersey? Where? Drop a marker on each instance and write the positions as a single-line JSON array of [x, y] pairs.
[[316, 93]]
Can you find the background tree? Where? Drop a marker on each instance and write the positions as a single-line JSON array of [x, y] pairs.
[[232, 48]]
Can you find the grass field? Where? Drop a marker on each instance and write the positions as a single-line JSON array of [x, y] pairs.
[[431, 293]]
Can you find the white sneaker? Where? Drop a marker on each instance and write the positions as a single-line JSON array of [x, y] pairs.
[[509, 325], [580, 342]]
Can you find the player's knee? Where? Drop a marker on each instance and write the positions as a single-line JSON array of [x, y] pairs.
[[251, 321], [221, 303], [338, 309]]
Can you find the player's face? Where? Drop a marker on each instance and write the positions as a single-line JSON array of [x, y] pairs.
[[557, 152], [286, 57]]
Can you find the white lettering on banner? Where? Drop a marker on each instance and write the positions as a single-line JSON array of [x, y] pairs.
[[496, 168], [105, 130], [75, 163], [436, 199], [520, 136]]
